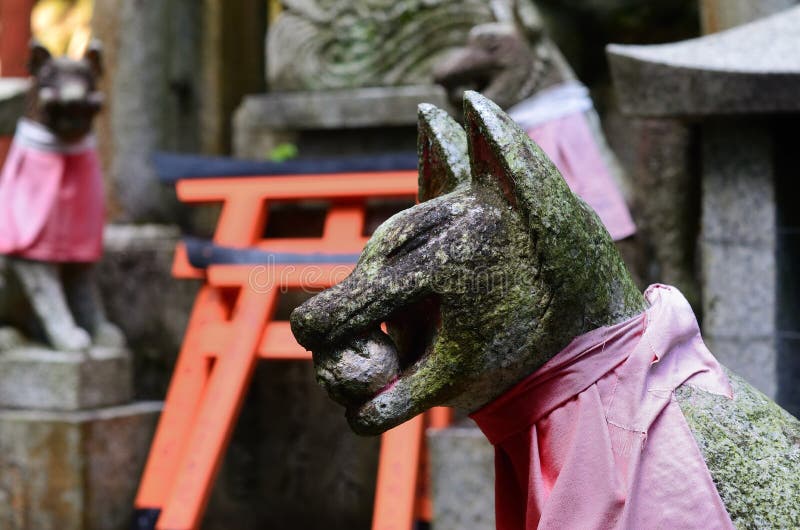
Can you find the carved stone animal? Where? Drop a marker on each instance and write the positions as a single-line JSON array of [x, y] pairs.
[[504, 62], [496, 272], [514, 63], [51, 190]]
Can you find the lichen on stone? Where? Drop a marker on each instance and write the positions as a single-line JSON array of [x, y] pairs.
[[752, 449]]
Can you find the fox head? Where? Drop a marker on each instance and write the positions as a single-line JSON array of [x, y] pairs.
[[508, 60], [64, 96], [493, 273]]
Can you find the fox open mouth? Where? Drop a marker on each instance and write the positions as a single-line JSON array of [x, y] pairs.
[[372, 362]]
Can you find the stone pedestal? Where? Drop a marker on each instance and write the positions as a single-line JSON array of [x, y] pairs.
[[462, 476], [72, 444], [738, 89], [737, 248], [365, 120], [39, 378], [72, 470]]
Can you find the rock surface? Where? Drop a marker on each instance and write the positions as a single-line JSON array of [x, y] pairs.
[[323, 44], [742, 70], [33, 377], [462, 477], [752, 448], [72, 470]]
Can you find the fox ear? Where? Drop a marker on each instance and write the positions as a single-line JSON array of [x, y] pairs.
[[38, 55], [504, 157], [442, 150], [94, 57]]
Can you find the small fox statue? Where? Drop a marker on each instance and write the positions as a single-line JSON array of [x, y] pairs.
[[503, 295], [52, 211]]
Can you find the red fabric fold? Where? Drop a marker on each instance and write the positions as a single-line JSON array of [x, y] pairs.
[[51, 205], [595, 439]]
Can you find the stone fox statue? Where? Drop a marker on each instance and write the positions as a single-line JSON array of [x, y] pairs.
[[515, 64], [503, 295], [52, 210]]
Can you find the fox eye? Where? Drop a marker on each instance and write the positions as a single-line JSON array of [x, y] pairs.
[[421, 237]]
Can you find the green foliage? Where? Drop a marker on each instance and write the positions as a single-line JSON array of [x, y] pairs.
[[283, 152]]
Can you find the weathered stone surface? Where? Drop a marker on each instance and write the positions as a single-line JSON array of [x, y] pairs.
[[38, 378], [321, 44], [306, 119], [72, 470], [752, 448], [462, 476], [447, 274], [667, 197], [739, 290], [465, 346], [153, 70], [12, 103], [741, 70], [738, 249], [337, 109], [151, 307], [739, 204], [751, 357]]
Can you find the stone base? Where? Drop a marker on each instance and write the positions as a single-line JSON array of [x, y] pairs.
[[34, 377], [366, 120], [462, 476], [72, 470]]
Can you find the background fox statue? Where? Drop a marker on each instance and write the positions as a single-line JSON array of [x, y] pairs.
[[52, 210], [503, 295]]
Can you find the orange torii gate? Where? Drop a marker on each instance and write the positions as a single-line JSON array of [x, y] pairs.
[[232, 326]]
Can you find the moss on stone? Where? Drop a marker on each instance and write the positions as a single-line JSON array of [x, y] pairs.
[[752, 449]]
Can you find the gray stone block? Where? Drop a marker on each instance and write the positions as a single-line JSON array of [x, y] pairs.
[[667, 200], [747, 69], [338, 109], [739, 290], [738, 188], [72, 470], [754, 359], [462, 475], [33, 377]]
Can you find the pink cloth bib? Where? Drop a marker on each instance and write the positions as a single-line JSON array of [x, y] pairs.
[[595, 439], [52, 206], [569, 143]]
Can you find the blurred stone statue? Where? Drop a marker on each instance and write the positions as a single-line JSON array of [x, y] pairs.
[[503, 295], [52, 210], [515, 64], [330, 44]]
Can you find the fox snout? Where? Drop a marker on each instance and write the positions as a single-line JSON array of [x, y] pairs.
[[351, 370], [358, 370]]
